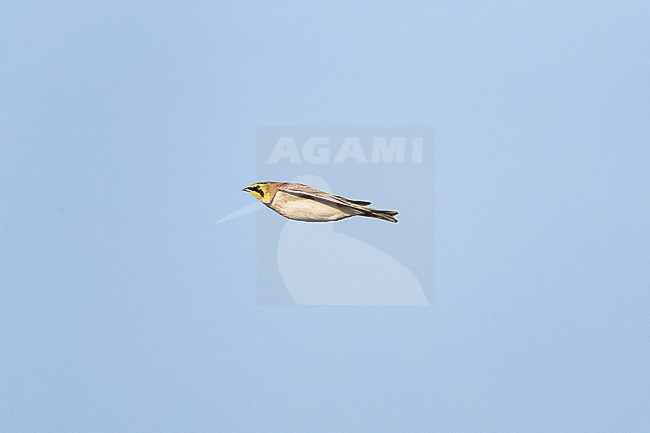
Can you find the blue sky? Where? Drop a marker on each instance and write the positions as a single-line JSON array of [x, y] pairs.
[[128, 129]]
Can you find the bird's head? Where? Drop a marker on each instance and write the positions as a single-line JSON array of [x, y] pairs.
[[260, 191]]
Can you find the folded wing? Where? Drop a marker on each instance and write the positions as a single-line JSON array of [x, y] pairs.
[[306, 191]]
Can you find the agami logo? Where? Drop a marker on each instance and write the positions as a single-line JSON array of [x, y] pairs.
[[355, 261], [322, 150]]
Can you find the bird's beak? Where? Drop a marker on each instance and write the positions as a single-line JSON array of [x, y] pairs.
[[247, 189]]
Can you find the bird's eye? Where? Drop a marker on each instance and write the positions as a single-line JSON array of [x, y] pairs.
[[258, 190]]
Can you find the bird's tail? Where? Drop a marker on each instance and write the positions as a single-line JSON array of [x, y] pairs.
[[386, 215]]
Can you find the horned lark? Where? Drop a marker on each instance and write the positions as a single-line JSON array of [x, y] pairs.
[[301, 202]]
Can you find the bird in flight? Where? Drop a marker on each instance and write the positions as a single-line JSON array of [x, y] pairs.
[[301, 202]]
